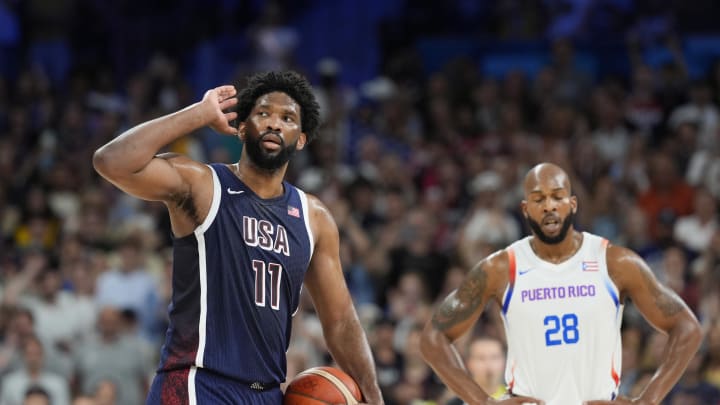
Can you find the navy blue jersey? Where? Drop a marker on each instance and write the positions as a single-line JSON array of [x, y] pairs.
[[236, 283]]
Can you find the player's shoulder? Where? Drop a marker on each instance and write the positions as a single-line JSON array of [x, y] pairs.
[[624, 265], [620, 256], [495, 268], [500, 260], [319, 216], [315, 205]]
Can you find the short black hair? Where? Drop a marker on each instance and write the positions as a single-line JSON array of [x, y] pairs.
[[36, 390], [289, 82]]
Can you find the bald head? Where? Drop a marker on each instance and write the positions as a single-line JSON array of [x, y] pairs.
[[549, 206], [546, 175]]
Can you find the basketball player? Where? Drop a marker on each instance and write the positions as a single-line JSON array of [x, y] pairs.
[[245, 241], [561, 293]]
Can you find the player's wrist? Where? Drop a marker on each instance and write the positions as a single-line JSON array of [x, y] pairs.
[[203, 113]]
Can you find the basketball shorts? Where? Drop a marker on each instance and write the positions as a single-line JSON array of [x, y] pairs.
[[201, 387]]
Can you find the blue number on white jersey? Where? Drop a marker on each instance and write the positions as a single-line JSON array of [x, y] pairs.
[[567, 324]]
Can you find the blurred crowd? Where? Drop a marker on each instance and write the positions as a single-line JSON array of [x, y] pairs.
[[422, 173]]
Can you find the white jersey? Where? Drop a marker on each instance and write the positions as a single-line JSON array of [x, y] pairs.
[[563, 325]]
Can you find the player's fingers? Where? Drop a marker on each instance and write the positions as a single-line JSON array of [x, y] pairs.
[[227, 103], [226, 91], [230, 116], [228, 130]]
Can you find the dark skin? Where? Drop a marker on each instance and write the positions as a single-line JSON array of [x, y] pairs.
[[548, 200], [185, 186]]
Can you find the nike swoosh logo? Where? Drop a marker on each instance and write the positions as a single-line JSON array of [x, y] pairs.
[[521, 272], [231, 191]]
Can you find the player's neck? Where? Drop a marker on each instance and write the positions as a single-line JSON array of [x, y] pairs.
[[266, 184], [559, 252]]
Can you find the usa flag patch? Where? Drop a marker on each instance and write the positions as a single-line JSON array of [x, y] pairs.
[[293, 211], [590, 266]]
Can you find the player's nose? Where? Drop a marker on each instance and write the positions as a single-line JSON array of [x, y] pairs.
[[549, 205], [273, 123]]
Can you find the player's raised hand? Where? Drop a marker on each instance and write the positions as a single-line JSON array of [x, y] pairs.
[[215, 102]]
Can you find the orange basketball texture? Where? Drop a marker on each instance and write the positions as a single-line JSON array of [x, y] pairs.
[[322, 386]]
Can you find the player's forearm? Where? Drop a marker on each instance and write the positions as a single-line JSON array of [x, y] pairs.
[[136, 147], [349, 347], [440, 354], [683, 342]]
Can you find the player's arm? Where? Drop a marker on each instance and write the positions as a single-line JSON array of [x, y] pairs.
[[455, 315], [130, 162], [325, 282], [662, 308]]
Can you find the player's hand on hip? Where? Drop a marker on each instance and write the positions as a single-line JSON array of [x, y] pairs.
[[518, 401], [215, 102], [618, 400]]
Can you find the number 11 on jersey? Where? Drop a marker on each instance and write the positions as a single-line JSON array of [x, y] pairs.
[[275, 271]]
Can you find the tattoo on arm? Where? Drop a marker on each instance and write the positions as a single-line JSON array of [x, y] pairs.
[[666, 300], [461, 304]]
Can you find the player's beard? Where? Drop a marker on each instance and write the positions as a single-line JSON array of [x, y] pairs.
[[551, 240], [269, 161]]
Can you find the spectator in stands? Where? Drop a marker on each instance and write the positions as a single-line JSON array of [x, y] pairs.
[[695, 231], [572, 83], [36, 396], [489, 225], [703, 111], [19, 329], [113, 356], [642, 108], [693, 388], [15, 384], [668, 195], [39, 288], [129, 285], [485, 361], [611, 137]]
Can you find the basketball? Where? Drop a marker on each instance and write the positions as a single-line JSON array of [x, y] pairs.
[[322, 386]]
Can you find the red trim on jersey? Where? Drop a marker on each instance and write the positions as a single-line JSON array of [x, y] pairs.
[[511, 383], [614, 374], [511, 267], [511, 276]]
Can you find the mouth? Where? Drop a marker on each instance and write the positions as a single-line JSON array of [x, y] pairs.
[[551, 224], [271, 141]]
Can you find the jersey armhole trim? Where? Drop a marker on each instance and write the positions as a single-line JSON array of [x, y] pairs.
[[214, 206], [609, 284], [306, 218], [511, 279]]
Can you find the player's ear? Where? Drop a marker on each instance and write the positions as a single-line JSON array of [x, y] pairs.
[[523, 208], [302, 141], [241, 131], [574, 204]]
